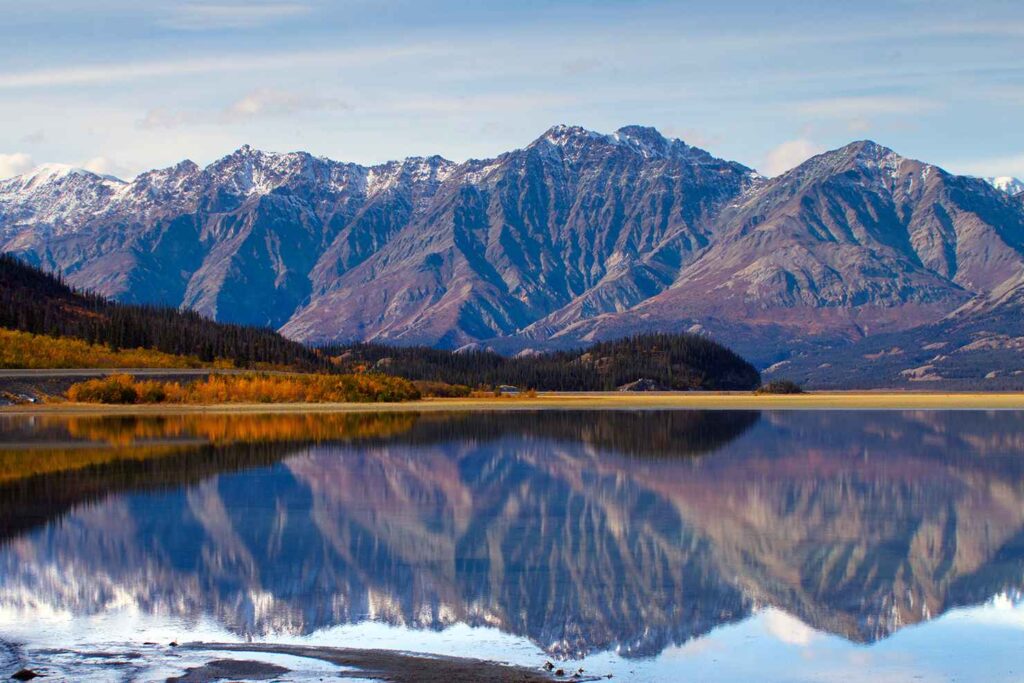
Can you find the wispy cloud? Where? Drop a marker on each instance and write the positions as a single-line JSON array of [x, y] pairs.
[[117, 72], [255, 104], [1011, 165], [273, 102], [34, 138], [859, 107], [483, 103], [206, 16]]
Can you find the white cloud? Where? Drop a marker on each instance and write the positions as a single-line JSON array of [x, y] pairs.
[[15, 164], [102, 165], [788, 155], [205, 16], [788, 629], [859, 107]]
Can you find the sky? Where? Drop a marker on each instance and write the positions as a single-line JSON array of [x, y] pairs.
[[122, 86]]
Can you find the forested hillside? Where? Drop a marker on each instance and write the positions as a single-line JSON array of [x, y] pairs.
[[672, 361], [40, 303]]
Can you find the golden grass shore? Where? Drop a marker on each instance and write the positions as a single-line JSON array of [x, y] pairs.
[[834, 400]]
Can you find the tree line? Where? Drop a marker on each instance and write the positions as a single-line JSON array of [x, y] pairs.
[[671, 361], [32, 300]]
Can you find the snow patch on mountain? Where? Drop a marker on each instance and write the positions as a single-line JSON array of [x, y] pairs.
[[1008, 184]]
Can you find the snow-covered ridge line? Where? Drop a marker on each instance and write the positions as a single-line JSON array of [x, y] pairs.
[[56, 199]]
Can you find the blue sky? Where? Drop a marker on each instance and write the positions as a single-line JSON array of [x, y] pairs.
[[124, 85]]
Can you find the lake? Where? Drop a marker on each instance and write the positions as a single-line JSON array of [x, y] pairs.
[[651, 546]]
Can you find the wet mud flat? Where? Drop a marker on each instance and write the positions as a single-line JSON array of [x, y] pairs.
[[210, 662]]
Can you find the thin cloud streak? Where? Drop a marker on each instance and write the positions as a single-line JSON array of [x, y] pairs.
[[119, 72], [850, 107], [255, 104], [199, 16]]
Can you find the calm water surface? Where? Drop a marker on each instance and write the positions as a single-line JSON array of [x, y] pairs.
[[671, 545]]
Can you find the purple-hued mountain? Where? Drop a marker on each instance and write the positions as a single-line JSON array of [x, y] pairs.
[[578, 236]]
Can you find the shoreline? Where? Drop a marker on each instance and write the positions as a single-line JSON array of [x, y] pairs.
[[205, 662], [826, 400]]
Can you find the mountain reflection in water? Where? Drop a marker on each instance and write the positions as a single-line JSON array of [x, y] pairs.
[[582, 531]]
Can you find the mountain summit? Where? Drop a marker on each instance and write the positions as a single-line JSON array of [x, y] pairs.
[[577, 236]]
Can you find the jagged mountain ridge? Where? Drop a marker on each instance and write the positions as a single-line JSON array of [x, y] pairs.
[[578, 236], [854, 242]]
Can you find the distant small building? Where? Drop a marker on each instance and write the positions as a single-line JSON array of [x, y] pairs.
[[508, 390]]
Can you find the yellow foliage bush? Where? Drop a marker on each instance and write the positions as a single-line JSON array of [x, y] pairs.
[[248, 388], [37, 351]]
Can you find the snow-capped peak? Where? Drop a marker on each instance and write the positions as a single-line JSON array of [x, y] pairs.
[[51, 172], [47, 174], [562, 135], [648, 141], [1008, 184]]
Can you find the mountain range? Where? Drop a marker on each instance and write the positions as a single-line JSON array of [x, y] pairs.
[[577, 237]]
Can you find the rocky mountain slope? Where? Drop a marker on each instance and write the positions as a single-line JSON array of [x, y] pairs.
[[979, 345], [852, 243], [577, 237]]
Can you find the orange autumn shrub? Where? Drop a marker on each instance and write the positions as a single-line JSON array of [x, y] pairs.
[[112, 389]]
